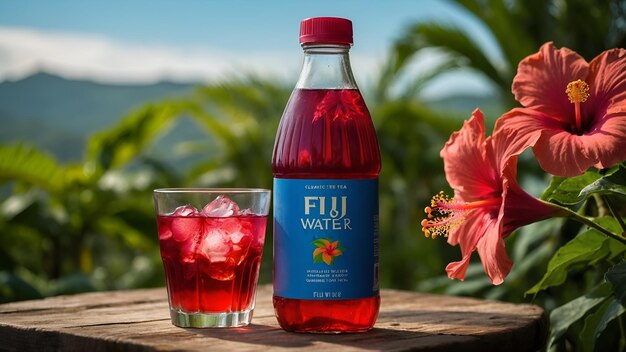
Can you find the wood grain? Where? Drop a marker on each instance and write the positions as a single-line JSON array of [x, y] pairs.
[[138, 320]]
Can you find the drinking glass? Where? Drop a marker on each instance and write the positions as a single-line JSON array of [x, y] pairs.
[[211, 243]]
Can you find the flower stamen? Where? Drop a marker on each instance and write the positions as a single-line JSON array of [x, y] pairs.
[[441, 216], [577, 92], [445, 213]]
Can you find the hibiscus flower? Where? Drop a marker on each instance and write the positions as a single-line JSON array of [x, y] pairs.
[[488, 204], [326, 251], [574, 113]]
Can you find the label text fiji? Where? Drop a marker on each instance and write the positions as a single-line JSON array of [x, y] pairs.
[[336, 219]]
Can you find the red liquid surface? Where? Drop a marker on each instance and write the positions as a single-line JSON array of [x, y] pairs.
[[211, 264], [326, 134]]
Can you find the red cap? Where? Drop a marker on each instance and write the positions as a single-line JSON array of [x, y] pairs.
[[330, 30]]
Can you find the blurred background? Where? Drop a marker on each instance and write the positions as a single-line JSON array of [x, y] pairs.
[[103, 101]]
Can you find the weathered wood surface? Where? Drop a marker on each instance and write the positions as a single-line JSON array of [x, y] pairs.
[[139, 321]]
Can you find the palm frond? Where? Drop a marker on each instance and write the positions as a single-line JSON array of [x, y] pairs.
[[117, 146], [454, 42], [510, 30], [25, 163]]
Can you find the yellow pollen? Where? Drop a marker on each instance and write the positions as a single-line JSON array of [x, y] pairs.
[[440, 218], [577, 91]]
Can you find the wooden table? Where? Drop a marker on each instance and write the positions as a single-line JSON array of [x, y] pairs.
[[139, 320]]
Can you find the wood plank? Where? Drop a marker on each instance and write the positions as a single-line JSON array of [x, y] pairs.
[[138, 320]]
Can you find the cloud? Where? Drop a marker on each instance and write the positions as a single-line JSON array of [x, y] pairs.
[[24, 51], [85, 56]]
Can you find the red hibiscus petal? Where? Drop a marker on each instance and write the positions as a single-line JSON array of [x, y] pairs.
[[514, 132], [607, 85], [467, 235], [493, 255], [465, 163], [606, 143], [557, 150], [520, 208], [456, 270], [561, 153], [542, 78]]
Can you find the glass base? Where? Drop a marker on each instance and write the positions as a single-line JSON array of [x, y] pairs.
[[210, 320]]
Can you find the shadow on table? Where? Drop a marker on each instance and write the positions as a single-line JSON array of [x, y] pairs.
[[407, 330], [375, 339]]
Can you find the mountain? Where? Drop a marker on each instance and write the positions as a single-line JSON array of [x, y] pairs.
[[58, 114]]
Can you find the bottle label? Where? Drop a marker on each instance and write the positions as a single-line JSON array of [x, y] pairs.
[[325, 238]]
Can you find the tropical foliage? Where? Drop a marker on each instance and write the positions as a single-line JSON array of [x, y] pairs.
[[90, 225], [520, 28]]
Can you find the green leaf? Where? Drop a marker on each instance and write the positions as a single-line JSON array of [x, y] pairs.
[[115, 147], [28, 164], [616, 248], [13, 287], [615, 183], [318, 259], [588, 333], [586, 248], [117, 228], [567, 190], [564, 316], [614, 310], [617, 277], [453, 41], [320, 242], [504, 23]]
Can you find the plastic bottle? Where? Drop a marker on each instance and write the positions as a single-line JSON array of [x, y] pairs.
[[326, 164]]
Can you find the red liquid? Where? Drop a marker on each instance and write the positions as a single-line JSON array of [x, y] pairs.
[[326, 134], [211, 264]]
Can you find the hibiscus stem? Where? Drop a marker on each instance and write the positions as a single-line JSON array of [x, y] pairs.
[[585, 220], [611, 207]]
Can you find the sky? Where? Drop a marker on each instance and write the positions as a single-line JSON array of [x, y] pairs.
[[145, 41]]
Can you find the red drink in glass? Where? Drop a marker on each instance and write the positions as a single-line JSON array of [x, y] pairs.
[[211, 264], [211, 254]]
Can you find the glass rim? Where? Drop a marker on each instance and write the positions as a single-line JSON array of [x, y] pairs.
[[211, 190]]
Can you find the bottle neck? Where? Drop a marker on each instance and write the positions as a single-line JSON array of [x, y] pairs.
[[326, 66]]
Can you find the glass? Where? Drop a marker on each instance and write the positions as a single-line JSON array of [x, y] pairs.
[[211, 244]]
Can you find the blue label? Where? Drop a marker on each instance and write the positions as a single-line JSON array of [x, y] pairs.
[[325, 238]]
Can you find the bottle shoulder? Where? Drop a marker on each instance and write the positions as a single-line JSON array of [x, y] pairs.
[[326, 133]]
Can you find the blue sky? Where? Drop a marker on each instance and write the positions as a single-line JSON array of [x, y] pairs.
[[142, 40]]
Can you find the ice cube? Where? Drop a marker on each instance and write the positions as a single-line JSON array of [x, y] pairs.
[[186, 228], [164, 234], [220, 207], [187, 250], [246, 212], [236, 237], [216, 245], [225, 245], [163, 226], [185, 210]]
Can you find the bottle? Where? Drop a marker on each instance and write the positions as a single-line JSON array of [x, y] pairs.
[[326, 163]]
